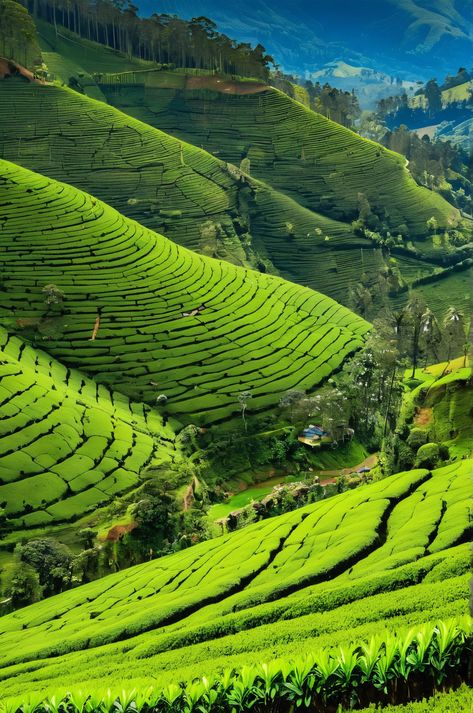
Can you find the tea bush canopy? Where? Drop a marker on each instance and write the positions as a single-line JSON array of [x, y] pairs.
[[67, 445], [276, 220], [382, 669], [147, 317], [295, 150], [386, 555]]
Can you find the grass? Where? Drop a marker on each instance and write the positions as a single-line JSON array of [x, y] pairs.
[[256, 332], [384, 556], [457, 701], [66, 444], [246, 496]]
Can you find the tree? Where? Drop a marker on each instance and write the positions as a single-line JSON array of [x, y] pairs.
[[291, 402], [330, 407], [24, 587], [432, 224], [87, 537], [51, 560], [431, 336], [18, 38], [154, 516], [433, 96], [243, 400], [455, 334], [414, 311], [53, 295]]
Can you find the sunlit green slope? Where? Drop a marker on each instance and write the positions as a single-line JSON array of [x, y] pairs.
[[151, 318], [385, 555], [67, 445], [318, 162], [190, 196]]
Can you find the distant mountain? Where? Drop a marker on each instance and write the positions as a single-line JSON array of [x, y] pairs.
[[369, 84], [408, 38]]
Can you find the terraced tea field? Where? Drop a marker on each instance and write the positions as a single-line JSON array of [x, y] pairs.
[[193, 198], [306, 156], [386, 555], [67, 445], [148, 317]]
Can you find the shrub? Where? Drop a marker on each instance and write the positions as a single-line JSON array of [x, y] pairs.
[[428, 455], [417, 438]]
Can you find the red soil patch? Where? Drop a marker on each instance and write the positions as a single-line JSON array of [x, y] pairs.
[[117, 531], [8, 68], [423, 417], [327, 481]]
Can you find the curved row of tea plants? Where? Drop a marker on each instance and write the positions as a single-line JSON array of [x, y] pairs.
[[152, 319], [174, 188], [318, 162], [385, 555], [67, 445], [192, 197], [392, 667]]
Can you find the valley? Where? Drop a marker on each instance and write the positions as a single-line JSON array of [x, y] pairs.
[[236, 342]]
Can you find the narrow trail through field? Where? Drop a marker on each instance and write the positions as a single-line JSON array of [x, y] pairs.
[[368, 462]]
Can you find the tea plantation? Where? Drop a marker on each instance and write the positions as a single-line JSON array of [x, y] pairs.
[[385, 556], [175, 188], [150, 318], [308, 157], [210, 206], [67, 445]]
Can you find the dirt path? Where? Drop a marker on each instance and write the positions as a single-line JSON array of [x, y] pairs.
[[369, 462], [188, 498], [227, 86]]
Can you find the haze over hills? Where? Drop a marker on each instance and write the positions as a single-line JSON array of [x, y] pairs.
[[411, 39]]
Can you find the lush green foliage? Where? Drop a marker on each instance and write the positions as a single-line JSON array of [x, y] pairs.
[[298, 223], [160, 38], [66, 444], [349, 674], [330, 571], [151, 318], [321, 164], [18, 39]]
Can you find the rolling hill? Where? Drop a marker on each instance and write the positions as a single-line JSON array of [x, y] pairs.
[[147, 317], [317, 162], [175, 188], [67, 445], [298, 227], [386, 555]]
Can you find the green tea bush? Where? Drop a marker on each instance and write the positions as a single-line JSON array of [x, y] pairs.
[[428, 455], [382, 669]]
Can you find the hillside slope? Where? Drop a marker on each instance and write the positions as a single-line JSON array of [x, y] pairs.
[[171, 187], [193, 198], [323, 574], [148, 317], [310, 158], [67, 445]]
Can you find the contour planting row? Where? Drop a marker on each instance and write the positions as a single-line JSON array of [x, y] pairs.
[[151, 318], [140, 171], [318, 162], [386, 668], [67, 445], [230, 594], [192, 197]]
